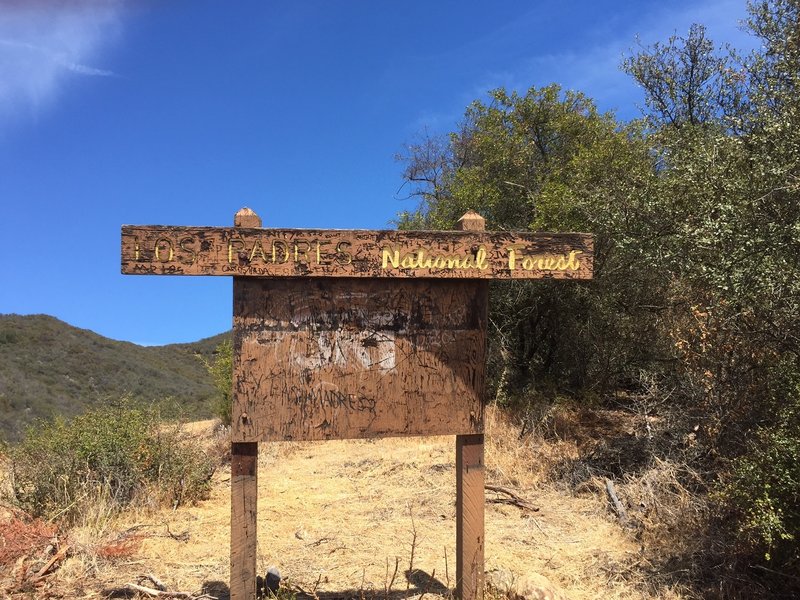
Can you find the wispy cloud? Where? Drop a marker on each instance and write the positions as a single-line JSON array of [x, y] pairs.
[[44, 44], [590, 62], [596, 69]]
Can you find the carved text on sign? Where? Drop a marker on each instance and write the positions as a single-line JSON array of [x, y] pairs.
[[354, 253]]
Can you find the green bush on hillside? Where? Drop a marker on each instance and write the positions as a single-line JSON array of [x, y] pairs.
[[122, 454], [764, 490], [221, 371]]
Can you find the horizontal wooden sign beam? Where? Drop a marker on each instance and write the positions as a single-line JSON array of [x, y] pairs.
[[256, 252]]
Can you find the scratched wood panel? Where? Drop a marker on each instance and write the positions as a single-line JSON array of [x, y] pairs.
[[256, 252], [320, 359]]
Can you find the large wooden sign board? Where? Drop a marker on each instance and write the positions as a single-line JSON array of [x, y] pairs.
[[357, 334], [357, 358]]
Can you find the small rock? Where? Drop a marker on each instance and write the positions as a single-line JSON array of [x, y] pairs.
[[527, 587], [300, 534], [538, 587]]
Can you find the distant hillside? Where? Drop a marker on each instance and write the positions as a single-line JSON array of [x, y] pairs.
[[48, 367]]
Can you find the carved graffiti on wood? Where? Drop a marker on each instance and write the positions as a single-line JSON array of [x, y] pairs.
[[256, 252], [328, 359]]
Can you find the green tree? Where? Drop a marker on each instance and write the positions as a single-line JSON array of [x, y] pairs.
[[696, 214], [221, 371], [548, 160], [731, 179]]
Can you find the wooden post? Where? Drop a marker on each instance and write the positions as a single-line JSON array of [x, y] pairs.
[[469, 486], [244, 486]]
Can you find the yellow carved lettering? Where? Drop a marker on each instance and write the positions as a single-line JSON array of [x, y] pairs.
[[284, 248], [258, 249], [239, 242], [512, 255], [319, 254], [191, 251], [573, 263], [527, 263], [390, 255], [157, 249], [421, 258], [480, 259], [298, 252], [343, 257], [408, 262]]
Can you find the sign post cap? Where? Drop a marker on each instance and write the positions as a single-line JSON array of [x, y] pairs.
[[471, 221], [246, 218]]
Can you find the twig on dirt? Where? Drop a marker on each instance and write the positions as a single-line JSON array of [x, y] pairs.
[[57, 557], [339, 547], [153, 593], [774, 572], [513, 497], [394, 575], [413, 547], [135, 587], [539, 527], [316, 587], [446, 571], [615, 501], [319, 542], [181, 537], [157, 583]]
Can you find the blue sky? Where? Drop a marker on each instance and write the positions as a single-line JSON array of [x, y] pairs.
[[181, 112]]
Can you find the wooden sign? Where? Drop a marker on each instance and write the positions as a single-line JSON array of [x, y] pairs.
[[256, 252], [335, 358], [357, 334]]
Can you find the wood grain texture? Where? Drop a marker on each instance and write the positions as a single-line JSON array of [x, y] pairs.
[[244, 501], [470, 531], [470, 540], [354, 358], [257, 252]]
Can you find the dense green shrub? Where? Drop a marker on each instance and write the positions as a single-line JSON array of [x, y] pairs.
[[221, 371], [763, 492], [695, 211], [121, 454]]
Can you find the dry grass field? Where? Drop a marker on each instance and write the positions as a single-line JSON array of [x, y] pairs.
[[347, 519]]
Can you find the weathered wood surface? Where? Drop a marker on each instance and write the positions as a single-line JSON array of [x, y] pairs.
[[318, 359], [257, 252], [244, 504], [244, 488], [470, 531], [470, 541]]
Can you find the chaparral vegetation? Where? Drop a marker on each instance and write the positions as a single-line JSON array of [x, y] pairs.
[[670, 382], [693, 317]]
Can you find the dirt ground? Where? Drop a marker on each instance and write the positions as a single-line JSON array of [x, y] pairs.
[[351, 518]]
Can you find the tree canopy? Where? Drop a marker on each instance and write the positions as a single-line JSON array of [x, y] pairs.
[[696, 212]]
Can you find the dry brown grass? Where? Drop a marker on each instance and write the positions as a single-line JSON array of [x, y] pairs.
[[338, 517]]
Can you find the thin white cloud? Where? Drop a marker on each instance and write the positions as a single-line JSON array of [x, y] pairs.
[[596, 70], [45, 44], [592, 66]]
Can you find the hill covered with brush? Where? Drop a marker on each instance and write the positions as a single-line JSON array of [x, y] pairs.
[[48, 368]]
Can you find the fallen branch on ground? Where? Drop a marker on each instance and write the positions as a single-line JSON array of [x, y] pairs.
[[57, 557], [615, 501], [153, 593], [513, 499]]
